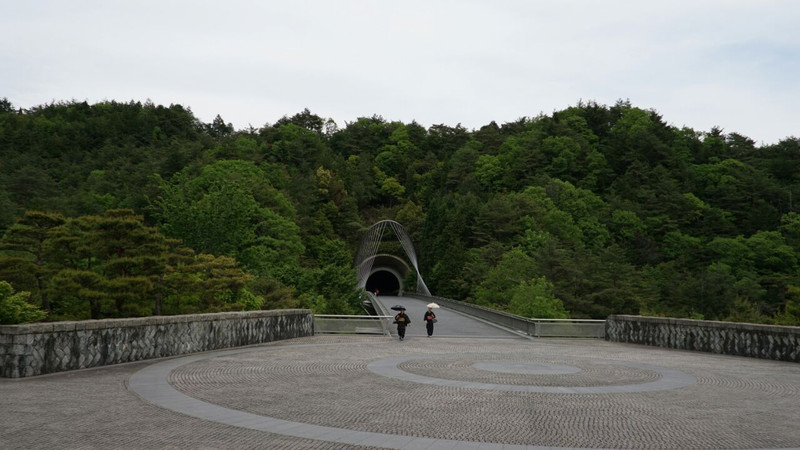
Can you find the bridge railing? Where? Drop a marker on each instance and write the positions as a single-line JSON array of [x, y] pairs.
[[577, 328], [346, 324], [379, 308], [354, 324]]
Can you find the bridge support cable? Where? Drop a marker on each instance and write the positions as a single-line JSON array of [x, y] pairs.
[[408, 246], [370, 244], [367, 250]]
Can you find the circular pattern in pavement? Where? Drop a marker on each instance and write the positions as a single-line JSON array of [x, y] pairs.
[[668, 379], [539, 368], [443, 393]]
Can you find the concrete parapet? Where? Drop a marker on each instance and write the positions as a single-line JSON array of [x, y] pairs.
[[41, 348], [536, 327], [778, 343], [505, 319]]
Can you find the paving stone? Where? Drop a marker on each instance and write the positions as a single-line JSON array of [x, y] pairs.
[[325, 381]]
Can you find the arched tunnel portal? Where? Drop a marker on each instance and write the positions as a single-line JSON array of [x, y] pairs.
[[387, 275], [385, 272]]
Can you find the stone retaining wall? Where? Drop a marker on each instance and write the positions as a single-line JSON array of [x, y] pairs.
[[37, 349], [740, 339]]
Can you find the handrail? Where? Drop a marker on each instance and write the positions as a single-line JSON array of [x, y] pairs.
[[350, 324], [353, 316], [539, 319], [589, 328], [383, 312]]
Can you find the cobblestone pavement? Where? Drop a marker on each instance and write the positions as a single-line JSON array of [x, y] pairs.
[[441, 393]]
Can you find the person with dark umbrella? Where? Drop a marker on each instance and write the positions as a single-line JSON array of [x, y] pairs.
[[402, 321]]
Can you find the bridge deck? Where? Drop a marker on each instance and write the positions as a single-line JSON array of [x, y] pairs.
[[449, 323], [445, 392]]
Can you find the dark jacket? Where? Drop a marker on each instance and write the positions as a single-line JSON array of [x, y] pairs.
[[429, 315], [402, 320]]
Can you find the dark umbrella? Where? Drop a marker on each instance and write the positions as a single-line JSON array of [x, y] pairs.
[[398, 307]]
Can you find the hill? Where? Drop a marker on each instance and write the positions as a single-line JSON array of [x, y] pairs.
[[589, 211]]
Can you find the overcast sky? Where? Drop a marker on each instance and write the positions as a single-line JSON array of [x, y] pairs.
[[728, 63]]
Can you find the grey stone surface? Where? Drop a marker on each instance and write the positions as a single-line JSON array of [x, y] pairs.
[[741, 339], [711, 413], [588, 384], [317, 392], [456, 390], [36, 349]]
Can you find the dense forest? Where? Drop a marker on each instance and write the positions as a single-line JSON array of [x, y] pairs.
[[131, 209]]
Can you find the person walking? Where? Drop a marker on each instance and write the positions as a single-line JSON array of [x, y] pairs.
[[402, 320], [430, 319]]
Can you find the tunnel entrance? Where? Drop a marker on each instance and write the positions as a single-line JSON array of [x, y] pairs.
[[371, 263], [384, 281]]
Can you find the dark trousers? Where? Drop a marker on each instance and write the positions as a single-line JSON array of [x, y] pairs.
[[429, 326], [401, 331]]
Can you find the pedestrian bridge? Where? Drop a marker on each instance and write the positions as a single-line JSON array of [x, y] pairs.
[[386, 260], [472, 385], [450, 323]]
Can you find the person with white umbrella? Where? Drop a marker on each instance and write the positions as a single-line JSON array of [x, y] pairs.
[[430, 318]]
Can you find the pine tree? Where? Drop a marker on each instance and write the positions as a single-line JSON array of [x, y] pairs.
[[24, 245]]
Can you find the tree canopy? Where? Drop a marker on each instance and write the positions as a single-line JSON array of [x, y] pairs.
[[120, 209]]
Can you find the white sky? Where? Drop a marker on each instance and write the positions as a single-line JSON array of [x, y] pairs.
[[728, 63]]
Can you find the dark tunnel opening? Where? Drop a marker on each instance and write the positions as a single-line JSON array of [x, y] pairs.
[[385, 282]]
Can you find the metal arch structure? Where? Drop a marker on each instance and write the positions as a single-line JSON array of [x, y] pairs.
[[368, 250]]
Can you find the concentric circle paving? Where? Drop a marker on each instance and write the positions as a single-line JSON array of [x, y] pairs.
[[432, 393], [527, 368], [669, 379]]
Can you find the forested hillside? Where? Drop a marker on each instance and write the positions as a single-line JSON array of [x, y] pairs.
[[130, 209]]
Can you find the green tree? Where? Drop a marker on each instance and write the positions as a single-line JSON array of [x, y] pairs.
[[502, 280], [219, 128], [392, 189], [305, 119], [8, 210], [231, 209], [26, 262], [219, 284], [113, 261], [535, 298], [14, 307], [489, 171], [790, 227], [412, 217], [742, 190]]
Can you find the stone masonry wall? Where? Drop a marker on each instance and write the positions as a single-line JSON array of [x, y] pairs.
[[740, 339], [37, 349]]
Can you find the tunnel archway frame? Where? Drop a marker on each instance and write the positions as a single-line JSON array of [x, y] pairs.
[[392, 264], [368, 251], [381, 273]]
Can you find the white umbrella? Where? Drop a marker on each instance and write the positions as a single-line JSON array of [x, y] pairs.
[[432, 305]]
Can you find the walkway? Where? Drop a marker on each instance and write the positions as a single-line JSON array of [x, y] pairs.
[[350, 392], [449, 323]]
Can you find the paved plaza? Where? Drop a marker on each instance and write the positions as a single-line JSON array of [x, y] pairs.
[[440, 392]]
